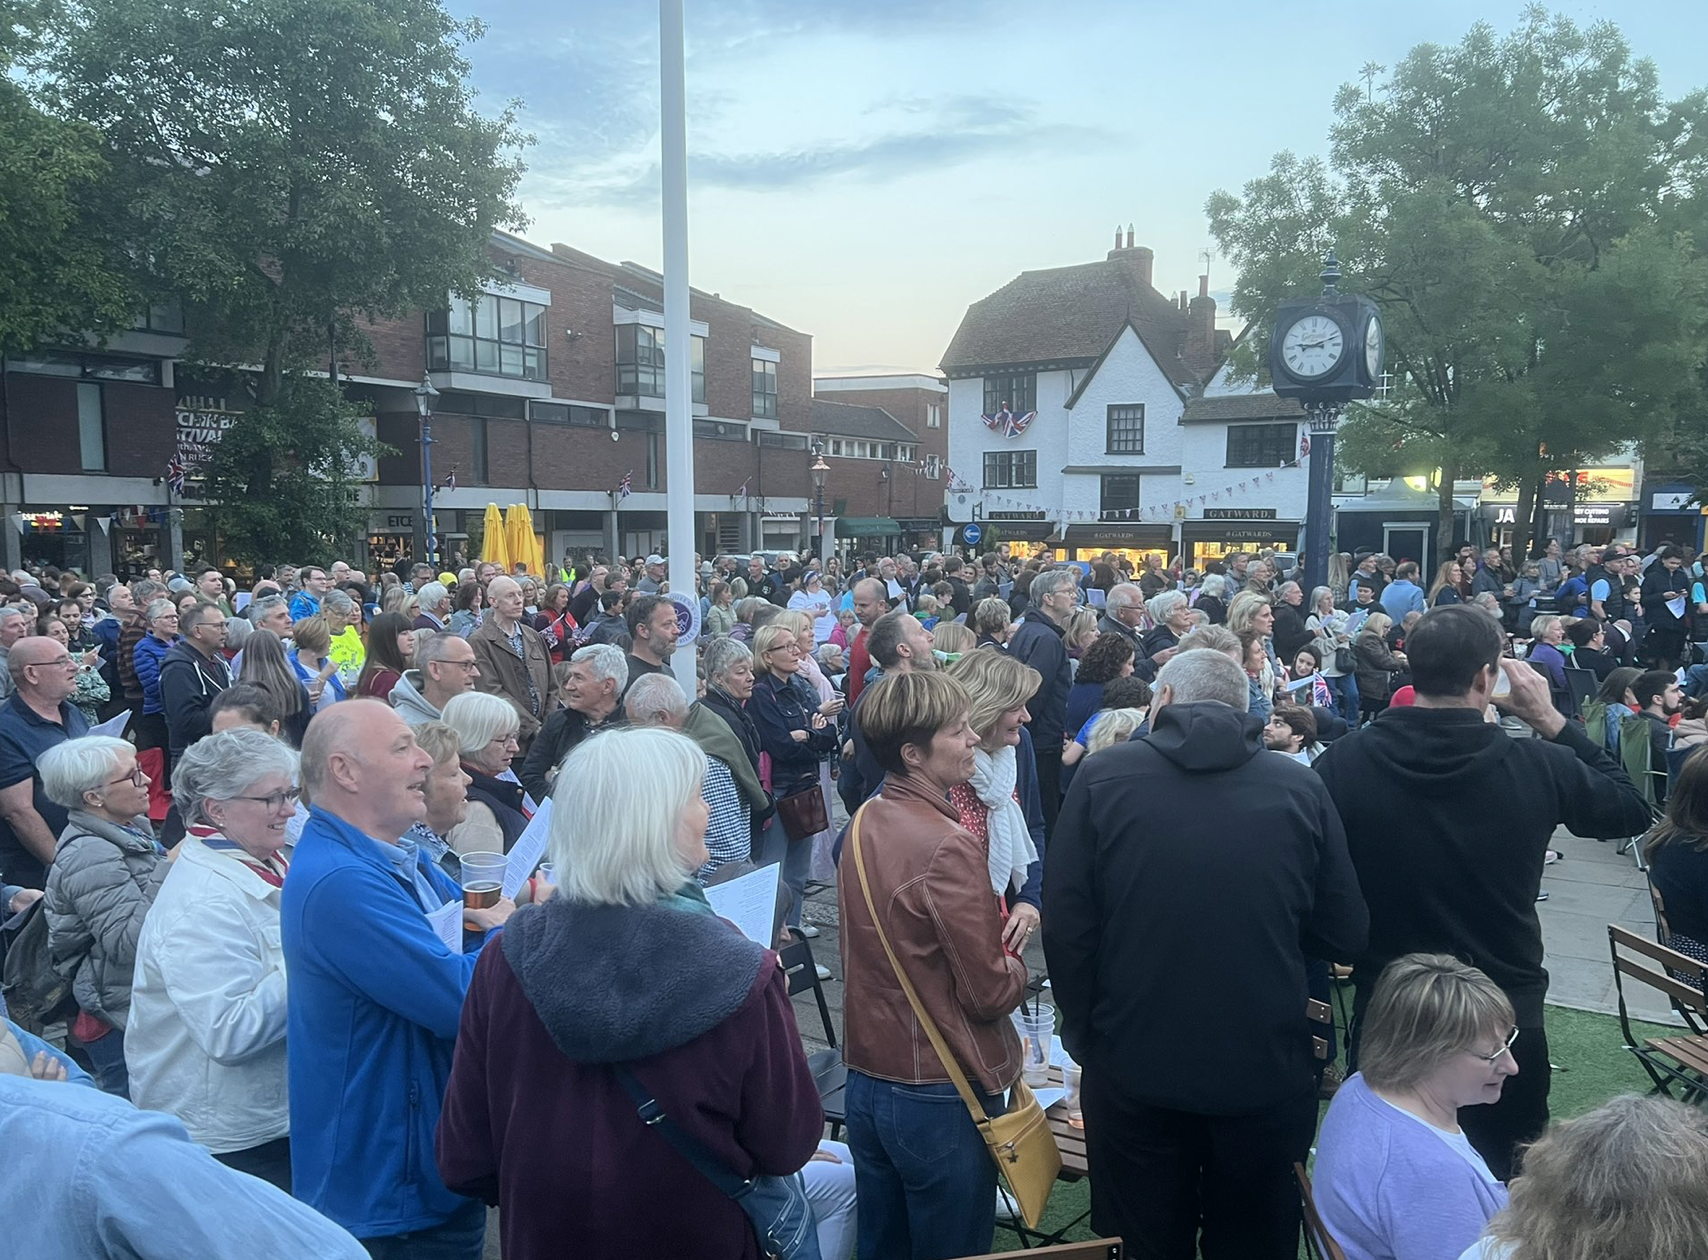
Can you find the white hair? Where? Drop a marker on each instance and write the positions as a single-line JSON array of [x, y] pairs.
[[478, 718], [606, 662], [80, 765], [222, 767], [618, 846], [431, 595], [724, 655], [1195, 676], [1163, 604], [654, 695], [1214, 584]]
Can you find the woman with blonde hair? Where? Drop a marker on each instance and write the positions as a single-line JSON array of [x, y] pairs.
[[811, 677], [310, 657], [1000, 804], [1445, 588], [1377, 663], [267, 666], [992, 621], [951, 639], [1396, 1174], [1628, 1181]]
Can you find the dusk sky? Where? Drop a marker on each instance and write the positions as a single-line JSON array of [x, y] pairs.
[[863, 170]]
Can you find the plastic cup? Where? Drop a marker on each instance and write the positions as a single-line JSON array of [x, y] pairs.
[[1071, 1077], [483, 882], [1037, 1025]]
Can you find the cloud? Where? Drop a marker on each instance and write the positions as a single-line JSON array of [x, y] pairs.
[[959, 129]]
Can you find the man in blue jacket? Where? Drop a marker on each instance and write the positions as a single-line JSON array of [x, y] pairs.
[[375, 995], [1403, 594]]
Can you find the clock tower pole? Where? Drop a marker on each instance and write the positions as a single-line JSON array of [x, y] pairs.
[[1326, 351]]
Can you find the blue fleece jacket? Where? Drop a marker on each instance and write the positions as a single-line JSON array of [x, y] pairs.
[[374, 1002], [150, 651]]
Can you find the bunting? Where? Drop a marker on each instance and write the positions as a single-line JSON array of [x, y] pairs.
[[1160, 511]]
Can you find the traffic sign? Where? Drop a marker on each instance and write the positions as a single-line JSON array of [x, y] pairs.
[[972, 533]]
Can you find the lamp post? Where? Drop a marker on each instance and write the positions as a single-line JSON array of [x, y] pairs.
[[819, 470], [424, 396]]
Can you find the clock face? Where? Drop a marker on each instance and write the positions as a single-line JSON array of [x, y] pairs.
[[1313, 347], [1373, 347]]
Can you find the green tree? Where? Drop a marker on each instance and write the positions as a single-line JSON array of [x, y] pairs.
[[293, 170], [60, 274], [285, 476], [1511, 203]]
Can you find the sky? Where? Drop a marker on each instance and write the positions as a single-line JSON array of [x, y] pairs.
[[862, 170]]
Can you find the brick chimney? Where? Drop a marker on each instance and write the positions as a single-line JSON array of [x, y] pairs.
[[1200, 348], [1140, 259]]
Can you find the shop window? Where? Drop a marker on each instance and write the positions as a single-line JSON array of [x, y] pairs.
[[1120, 493], [1261, 445], [91, 427]]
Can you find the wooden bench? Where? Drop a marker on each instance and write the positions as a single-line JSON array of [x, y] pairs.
[[1679, 1061], [1096, 1249]]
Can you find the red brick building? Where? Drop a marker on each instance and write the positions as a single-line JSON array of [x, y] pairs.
[[550, 393], [885, 441]]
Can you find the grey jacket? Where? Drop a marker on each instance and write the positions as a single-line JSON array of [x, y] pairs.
[[99, 888], [413, 707]]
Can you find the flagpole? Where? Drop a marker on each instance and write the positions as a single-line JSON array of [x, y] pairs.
[[678, 338]]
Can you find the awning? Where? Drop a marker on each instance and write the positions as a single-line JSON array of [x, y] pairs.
[[867, 527]]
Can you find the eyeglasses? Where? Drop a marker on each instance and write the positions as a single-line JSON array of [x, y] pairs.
[[136, 778], [273, 801], [468, 667], [1505, 1048]]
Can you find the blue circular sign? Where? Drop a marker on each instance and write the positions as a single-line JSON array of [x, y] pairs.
[[972, 533]]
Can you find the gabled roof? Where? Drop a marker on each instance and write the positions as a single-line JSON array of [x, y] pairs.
[[1225, 407], [1097, 366], [1067, 315], [857, 420]]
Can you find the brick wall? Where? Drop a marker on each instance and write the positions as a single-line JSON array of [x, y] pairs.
[[141, 427]]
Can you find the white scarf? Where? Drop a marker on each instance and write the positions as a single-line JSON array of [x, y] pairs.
[[1011, 847]]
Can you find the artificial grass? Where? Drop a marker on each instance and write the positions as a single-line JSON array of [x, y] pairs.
[[1587, 1048]]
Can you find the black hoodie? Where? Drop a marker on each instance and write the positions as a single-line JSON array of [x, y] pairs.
[[1190, 873], [1448, 819]]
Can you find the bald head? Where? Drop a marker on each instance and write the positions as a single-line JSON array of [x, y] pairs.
[[36, 650], [43, 668], [361, 762], [871, 601], [504, 596]]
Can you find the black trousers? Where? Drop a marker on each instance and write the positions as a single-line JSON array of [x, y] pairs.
[[1176, 1184], [271, 1161], [1497, 1130], [1049, 783]]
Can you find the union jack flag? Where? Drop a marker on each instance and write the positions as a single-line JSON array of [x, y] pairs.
[[623, 490], [451, 480], [1008, 423], [175, 473], [1304, 445]]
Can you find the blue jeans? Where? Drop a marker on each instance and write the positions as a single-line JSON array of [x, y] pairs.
[[1696, 681], [1345, 690], [107, 1063], [796, 858], [462, 1237], [926, 1184]]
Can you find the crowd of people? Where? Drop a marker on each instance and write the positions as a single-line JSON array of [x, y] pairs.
[[262, 1001]]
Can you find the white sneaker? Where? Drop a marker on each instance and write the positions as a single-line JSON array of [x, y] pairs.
[[809, 931], [823, 971]]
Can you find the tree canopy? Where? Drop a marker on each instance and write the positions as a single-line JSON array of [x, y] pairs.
[[1521, 208]]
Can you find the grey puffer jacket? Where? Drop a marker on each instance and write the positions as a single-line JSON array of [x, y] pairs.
[[102, 882]]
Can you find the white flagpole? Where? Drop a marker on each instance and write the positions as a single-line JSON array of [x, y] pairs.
[[678, 339]]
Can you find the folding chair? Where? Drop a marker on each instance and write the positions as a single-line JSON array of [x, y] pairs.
[[1670, 1061], [1581, 685], [1096, 1249], [1319, 1244], [1636, 755], [828, 1071]]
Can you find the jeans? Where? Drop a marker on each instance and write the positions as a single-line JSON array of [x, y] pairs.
[[830, 1190], [1179, 1184], [462, 1237], [1345, 690], [1049, 762], [107, 1063], [1696, 681], [926, 1182], [796, 856]]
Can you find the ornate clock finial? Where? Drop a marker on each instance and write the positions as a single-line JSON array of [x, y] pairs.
[[1330, 275]]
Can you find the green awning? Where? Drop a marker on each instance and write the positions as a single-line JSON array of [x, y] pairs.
[[867, 527]]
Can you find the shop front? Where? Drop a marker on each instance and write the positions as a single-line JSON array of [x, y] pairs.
[[1086, 543], [1669, 513], [391, 537], [55, 537], [1216, 535]]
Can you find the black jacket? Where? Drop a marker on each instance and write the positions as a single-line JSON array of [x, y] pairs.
[[564, 729], [1448, 818], [1249, 876], [1290, 632], [778, 708], [1038, 643], [189, 682]]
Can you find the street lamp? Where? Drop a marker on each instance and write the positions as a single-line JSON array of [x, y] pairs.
[[424, 396], [819, 470]]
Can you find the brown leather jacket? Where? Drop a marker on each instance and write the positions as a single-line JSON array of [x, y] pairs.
[[503, 673], [931, 885]]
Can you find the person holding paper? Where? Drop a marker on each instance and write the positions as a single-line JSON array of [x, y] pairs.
[[374, 994], [206, 1037], [1665, 596], [535, 1118]]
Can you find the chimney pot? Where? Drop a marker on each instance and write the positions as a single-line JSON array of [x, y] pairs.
[[1203, 286], [1129, 236], [1117, 236]]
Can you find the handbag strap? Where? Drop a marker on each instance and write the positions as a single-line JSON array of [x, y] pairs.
[[704, 1162], [937, 1043]]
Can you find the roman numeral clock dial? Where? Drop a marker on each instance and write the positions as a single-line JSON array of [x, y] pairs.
[[1313, 347]]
